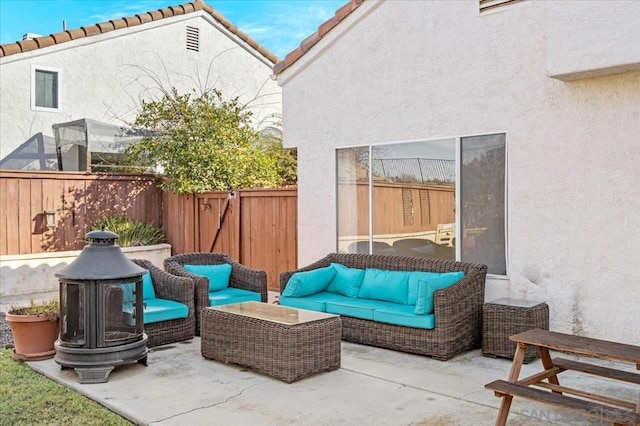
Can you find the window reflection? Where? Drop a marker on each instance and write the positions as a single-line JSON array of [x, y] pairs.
[[401, 199], [353, 200], [413, 198], [483, 201]]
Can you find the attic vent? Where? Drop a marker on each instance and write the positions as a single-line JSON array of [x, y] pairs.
[[193, 39], [492, 4]]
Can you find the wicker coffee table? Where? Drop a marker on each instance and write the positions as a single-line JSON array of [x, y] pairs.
[[282, 342]]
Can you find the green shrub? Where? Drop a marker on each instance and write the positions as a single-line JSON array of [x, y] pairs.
[[131, 232], [49, 308]]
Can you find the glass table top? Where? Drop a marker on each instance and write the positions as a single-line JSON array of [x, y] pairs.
[[519, 303], [275, 313]]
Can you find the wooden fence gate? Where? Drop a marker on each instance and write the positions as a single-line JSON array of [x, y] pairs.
[[257, 228]]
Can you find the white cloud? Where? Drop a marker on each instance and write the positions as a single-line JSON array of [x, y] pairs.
[[285, 24], [122, 9]]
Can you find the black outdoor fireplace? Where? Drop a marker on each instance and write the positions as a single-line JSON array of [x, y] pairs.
[[101, 320]]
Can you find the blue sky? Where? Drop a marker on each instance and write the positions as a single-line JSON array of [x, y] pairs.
[[278, 25]]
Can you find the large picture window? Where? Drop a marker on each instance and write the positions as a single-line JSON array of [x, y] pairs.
[[442, 198]]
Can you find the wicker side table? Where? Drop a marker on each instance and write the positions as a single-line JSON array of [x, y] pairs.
[[505, 317]]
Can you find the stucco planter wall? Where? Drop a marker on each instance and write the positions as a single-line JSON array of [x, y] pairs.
[[32, 276]]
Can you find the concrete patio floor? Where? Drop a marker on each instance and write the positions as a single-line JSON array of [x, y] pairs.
[[373, 385]]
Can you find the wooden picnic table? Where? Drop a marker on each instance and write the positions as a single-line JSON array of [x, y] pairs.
[[545, 387]]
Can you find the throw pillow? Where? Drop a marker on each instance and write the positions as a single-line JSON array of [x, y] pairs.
[[309, 282], [148, 292], [416, 276], [347, 280], [426, 289], [389, 286], [218, 275]]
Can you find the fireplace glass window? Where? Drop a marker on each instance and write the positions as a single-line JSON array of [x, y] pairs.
[[72, 306], [120, 312]]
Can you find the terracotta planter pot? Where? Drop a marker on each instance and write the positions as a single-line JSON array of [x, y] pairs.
[[33, 336]]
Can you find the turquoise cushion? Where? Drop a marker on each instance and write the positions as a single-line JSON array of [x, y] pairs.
[[128, 298], [356, 308], [389, 286], [148, 292], [426, 289], [347, 280], [232, 295], [315, 302], [403, 315], [416, 276], [310, 282], [157, 310], [218, 275]]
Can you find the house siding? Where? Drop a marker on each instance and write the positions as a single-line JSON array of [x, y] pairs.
[[106, 76], [405, 70]]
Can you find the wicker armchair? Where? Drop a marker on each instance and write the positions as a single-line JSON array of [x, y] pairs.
[[170, 287], [242, 277], [457, 309]]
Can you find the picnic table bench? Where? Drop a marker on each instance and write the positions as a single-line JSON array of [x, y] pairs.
[[544, 386]]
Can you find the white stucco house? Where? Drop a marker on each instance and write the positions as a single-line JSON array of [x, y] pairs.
[[102, 73], [515, 125]]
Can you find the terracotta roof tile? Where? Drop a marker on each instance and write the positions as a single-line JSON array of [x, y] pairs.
[[10, 49], [91, 30], [328, 25], [166, 12], [309, 42], [130, 21], [314, 38], [177, 10], [45, 41], [61, 37], [26, 45], [118, 24], [76, 34], [156, 14], [144, 18], [105, 27]]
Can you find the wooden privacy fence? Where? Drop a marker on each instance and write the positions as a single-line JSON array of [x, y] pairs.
[[257, 228], [77, 201]]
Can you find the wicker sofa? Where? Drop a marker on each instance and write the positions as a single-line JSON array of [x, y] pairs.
[[457, 309], [242, 277]]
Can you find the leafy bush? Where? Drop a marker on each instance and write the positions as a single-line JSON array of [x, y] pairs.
[[131, 232], [202, 143]]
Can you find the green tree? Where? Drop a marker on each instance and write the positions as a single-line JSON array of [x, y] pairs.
[[286, 159], [203, 143]]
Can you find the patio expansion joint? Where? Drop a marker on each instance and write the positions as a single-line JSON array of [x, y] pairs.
[[204, 407], [442, 394]]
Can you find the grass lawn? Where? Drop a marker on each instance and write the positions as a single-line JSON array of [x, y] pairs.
[[29, 398]]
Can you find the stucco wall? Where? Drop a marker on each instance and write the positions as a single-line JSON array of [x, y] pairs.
[[407, 70], [106, 76], [592, 38], [32, 276]]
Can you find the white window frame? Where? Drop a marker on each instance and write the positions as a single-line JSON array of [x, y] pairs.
[[58, 72], [458, 159]]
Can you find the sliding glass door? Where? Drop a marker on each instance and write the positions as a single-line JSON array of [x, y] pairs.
[[401, 199]]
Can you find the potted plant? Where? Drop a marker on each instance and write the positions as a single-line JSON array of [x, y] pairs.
[[35, 329]]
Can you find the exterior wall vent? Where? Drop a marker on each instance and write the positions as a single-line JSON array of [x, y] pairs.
[[486, 5], [193, 39]]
